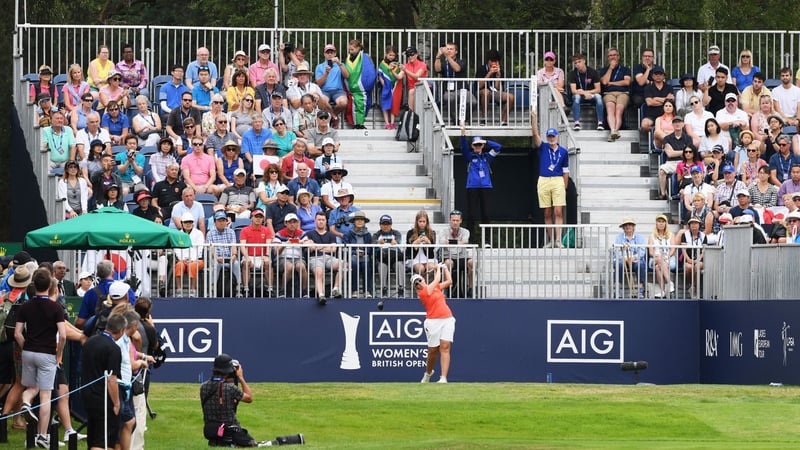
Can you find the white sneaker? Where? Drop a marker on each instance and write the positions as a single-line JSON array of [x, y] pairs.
[[442, 380], [68, 433], [336, 293], [42, 441], [427, 377]]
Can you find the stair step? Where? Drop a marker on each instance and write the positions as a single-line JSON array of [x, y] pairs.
[[621, 183]]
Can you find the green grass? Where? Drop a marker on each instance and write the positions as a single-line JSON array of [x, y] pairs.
[[497, 415]]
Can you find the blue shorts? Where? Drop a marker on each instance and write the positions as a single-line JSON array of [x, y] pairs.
[[334, 94]]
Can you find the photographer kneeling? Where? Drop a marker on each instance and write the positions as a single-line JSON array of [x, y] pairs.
[[220, 397]]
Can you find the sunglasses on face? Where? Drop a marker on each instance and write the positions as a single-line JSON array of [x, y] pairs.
[[751, 150], [688, 151], [273, 171], [230, 149], [730, 100], [247, 100], [197, 144], [549, 59], [222, 121], [694, 102], [189, 126], [87, 99], [279, 124], [217, 102], [783, 145], [186, 99]]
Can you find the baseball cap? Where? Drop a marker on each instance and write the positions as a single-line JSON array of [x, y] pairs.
[[717, 149], [726, 218], [549, 55], [220, 215], [143, 194], [728, 168], [793, 215], [289, 217], [478, 140], [410, 51], [264, 47], [745, 218], [385, 219], [282, 188], [677, 119], [330, 47], [239, 172], [696, 169], [694, 219], [551, 132], [44, 96], [187, 217], [796, 195], [327, 141], [85, 274], [276, 94], [98, 143], [730, 95], [118, 290], [323, 115], [257, 212], [657, 69], [21, 258], [44, 69], [743, 192], [713, 50]]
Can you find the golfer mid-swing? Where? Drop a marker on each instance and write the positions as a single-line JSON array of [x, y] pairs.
[[440, 325]]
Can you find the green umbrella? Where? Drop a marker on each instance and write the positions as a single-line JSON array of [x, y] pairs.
[[106, 228]]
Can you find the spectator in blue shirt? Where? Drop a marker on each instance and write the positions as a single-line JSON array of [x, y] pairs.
[[629, 253], [479, 177], [117, 124]]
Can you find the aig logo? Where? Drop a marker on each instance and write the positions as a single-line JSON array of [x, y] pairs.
[[585, 341], [191, 340], [397, 328]]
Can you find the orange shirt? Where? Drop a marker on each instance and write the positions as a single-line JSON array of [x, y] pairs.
[[435, 304]]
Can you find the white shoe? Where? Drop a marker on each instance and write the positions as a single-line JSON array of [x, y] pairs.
[[442, 380], [427, 377], [69, 433], [336, 293], [671, 287]]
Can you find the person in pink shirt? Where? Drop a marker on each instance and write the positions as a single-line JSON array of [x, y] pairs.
[[199, 172], [257, 69]]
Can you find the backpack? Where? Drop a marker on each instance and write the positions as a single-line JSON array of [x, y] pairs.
[[409, 126], [97, 323], [8, 316]]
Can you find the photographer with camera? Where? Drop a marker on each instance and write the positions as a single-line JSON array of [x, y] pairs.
[[130, 165]]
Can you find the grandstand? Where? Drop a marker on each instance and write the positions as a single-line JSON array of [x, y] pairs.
[[614, 180]]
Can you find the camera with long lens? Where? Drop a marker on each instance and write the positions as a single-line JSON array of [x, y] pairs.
[[288, 47]]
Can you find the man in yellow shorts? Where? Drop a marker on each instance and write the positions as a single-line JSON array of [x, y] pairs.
[[553, 179]]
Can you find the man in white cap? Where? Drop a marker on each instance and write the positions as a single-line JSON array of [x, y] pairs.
[[330, 75], [257, 69], [731, 117], [440, 325], [709, 69], [290, 255], [239, 198]]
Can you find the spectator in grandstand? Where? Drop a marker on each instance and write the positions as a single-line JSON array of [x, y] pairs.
[[742, 205], [726, 191], [239, 62], [290, 253], [188, 205], [303, 85], [193, 69], [713, 138], [242, 118], [696, 120], [664, 123], [684, 95], [238, 198], [448, 65], [204, 89], [759, 120], [743, 74], [77, 118], [170, 95], [584, 83], [238, 90], [146, 210], [45, 110], [99, 70], [169, 191], [739, 153], [183, 144], [290, 162], [492, 91], [708, 70], [316, 135], [130, 165], [762, 192], [306, 210], [114, 93], [359, 84], [339, 218], [44, 85], [791, 185], [655, 94], [189, 260], [58, 140], [750, 97], [780, 163], [390, 256], [146, 124], [389, 73], [270, 85], [283, 138], [714, 168], [267, 189], [252, 140], [731, 119], [305, 118], [769, 145], [257, 71], [478, 155], [322, 258], [178, 116], [91, 133], [553, 179], [74, 89], [104, 178], [225, 256], [303, 180], [276, 110], [630, 256], [277, 211], [692, 240], [113, 198], [329, 156], [717, 94], [751, 166], [335, 175], [133, 71], [550, 74], [642, 76], [697, 185], [209, 124], [615, 81], [73, 191], [93, 162], [116, 123], [229, 162], [420, 254], [255, 251], [361, 256], [290, 59], [413, 70], [456, 257], [787, 98], [662, 259]]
